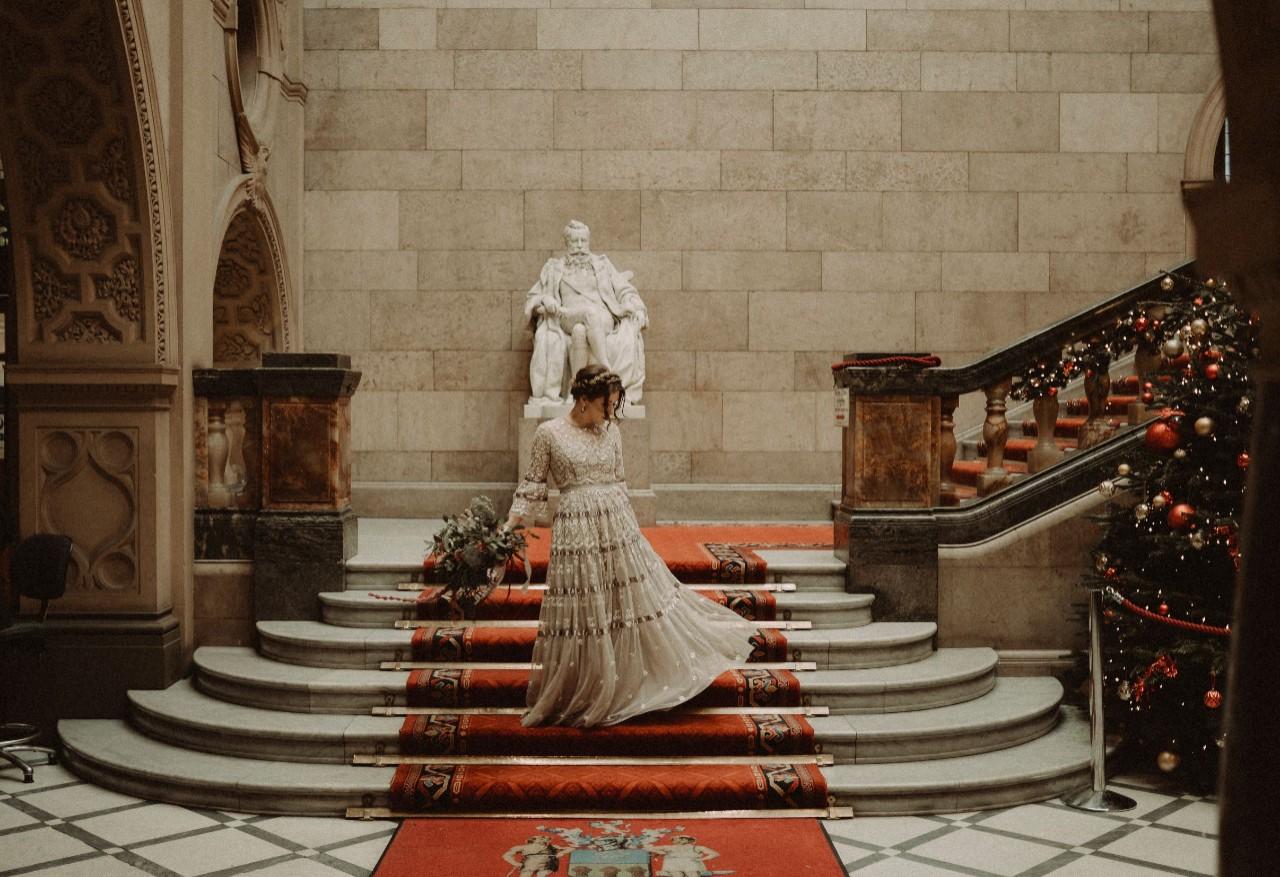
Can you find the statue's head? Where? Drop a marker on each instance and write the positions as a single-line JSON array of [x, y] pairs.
[[577, 238]]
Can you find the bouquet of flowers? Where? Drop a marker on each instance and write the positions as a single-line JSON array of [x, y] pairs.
[[471, 552]]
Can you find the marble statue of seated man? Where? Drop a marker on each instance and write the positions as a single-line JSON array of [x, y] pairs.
[[583, 310]]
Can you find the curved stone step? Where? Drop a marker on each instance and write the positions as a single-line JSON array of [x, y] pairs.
[[879, 644], [384, 566], [1016, 710], [111, 754], [241, 675], [1048, 766], [826, 609]]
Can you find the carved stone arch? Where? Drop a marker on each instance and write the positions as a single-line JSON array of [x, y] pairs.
[[83, 151], [253, 51], [252, 295], [1206, 130]]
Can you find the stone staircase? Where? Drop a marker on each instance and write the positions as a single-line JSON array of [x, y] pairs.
[[911, 728]]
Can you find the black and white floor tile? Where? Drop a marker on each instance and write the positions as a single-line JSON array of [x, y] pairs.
[[63, 826]]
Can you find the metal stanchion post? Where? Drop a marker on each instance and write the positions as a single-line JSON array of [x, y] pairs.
[[1096, 798]]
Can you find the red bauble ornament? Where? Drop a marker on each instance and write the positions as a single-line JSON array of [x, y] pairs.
[[1112, 572], [1183, 359], [1243, 460], [1147, 385], [1211, 354], [1148, 397], [1198, 301], [1053, 391], [1181, 516], [1141, 324], [1163, 608], [1162, 438], [1212, 370], [1213, 698], [1166, 496]]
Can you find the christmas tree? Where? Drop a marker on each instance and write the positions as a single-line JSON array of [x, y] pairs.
[[1169, 553]]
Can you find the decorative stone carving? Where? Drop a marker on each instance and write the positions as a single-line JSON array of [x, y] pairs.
[[19, 55], [584, 310], [41, 171], [248, 303], [88, 490], [89, 329], [112, 168], [89, 46], [122, 289], [52, 289], [234, 348], [83, 229], [65, 110]]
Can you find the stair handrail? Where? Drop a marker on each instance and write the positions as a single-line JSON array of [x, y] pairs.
[[1006, 361], [997, 375]]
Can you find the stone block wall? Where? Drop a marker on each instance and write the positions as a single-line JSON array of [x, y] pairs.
[[787, 184]]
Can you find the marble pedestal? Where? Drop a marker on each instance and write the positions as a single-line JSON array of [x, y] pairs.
[[635, 450]]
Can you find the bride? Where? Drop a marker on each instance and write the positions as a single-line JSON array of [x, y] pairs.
[[618, 635]]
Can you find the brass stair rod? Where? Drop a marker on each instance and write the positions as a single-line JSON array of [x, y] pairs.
[[1096, 798]]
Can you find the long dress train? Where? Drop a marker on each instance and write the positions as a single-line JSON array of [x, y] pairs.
[[618, 635]]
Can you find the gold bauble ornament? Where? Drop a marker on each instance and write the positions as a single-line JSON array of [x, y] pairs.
[[1204, 426], [1141, 510], [1211, 282], [1166, 283], [1180, 454], [1168, 761], [1199, 327], [1158, 501], [1172, 347], [1124, 470]]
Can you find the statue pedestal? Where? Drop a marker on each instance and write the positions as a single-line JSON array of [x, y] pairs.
[[635, 451]]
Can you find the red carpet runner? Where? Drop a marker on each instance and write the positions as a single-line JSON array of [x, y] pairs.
[[456, 687], [695, 554], [499, 788], [666, 733], [565, 846], [512, 644], [515, 604]]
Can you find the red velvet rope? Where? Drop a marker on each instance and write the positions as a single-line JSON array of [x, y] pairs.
[[1129, 605], [926, 361]]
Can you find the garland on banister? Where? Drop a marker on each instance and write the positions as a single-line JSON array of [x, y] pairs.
[[922, 361], [1116, 597], [392, 599]]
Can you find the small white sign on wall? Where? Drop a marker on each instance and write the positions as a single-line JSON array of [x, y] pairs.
[[842, 406]]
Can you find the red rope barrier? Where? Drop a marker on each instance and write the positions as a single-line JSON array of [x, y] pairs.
[[1134, 608], [925, 361]]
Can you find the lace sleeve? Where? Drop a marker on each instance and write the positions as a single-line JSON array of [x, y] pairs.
[[619, 470], [530, 500]]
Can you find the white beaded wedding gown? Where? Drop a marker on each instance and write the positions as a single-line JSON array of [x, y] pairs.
[[618, 635]]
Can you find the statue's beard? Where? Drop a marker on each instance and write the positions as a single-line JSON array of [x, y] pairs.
[[577, 260]]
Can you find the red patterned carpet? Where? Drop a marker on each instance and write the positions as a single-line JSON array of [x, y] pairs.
[[450, 688], [697, 554], [492, 847], [708, 782], [513, 644], [663, 733], [578, 788], [507, 604]]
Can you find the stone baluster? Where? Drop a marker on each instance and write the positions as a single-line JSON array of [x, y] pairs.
[[947, 450], [1146, 361], [995, 435], [1046, 452], [218, 449], [1097, 428]]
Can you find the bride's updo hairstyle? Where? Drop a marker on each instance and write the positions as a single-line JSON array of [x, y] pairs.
[[596, 382]]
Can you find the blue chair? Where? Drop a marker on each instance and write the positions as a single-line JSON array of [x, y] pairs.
[[38, 571]]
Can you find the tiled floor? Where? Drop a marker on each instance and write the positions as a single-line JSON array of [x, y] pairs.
[[63, 826]]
